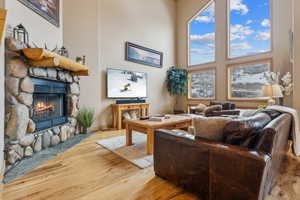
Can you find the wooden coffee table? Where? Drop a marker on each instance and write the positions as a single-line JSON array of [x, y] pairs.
[[148, 127]]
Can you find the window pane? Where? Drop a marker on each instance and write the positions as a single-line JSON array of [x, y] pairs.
[[250, 27], [246, 81], [202, 37], [202, 85]]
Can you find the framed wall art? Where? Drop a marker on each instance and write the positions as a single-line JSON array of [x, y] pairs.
[[142, 55], [49, 9]]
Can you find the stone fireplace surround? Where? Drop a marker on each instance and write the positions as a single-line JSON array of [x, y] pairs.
[[22, 139]]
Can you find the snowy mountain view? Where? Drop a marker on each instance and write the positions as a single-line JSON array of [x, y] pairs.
[[145, 56], [247, 81], [203, 85]]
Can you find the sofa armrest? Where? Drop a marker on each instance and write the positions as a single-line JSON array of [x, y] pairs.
[[209, 168], [276, 134]]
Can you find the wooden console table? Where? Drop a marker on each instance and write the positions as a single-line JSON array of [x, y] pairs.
[[118, 109]]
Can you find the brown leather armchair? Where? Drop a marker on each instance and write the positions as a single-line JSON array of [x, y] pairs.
[[218, 171]]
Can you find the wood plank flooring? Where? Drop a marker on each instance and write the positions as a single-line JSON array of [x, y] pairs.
[[90, 172]]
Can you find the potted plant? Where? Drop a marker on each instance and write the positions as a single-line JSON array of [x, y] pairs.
[[85, 118], [177, 81]]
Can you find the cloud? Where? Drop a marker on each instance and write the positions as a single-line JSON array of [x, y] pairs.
[[206, 19], [240, 46], [240, 32], [207, 39], [208, 15], [239, 6], [266, 23], [249, 22], [263, 35], [202, 52]]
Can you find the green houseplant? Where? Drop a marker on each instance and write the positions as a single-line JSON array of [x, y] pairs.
[[177, 81], [85, 118]]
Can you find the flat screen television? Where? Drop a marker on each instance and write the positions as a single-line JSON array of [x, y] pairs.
[[123, 84]]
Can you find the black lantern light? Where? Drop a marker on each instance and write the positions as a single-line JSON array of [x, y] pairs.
[[21, 34], [63, 52]]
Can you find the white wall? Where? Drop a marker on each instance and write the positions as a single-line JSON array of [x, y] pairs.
[[40, 30], [81, 38], [148, 23]]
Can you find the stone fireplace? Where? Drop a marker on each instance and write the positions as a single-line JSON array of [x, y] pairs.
[[41, 106]]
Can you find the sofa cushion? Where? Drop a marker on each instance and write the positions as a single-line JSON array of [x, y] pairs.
[[225, 105], [200, 108], [244, 131], [210, 127], [210, 109]]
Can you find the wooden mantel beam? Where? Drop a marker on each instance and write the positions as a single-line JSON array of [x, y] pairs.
[[2, 23], [42, 58]]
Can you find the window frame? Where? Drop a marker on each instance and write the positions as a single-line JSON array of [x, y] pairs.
[[189, 97], [266, 53], [240, 64], [188, 36]]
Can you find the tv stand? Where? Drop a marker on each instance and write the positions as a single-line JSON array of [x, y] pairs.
[[118, 109]]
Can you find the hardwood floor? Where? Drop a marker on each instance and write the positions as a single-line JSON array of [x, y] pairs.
[[90, 172]]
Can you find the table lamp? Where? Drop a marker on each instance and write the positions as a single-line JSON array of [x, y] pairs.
[[272, 91]]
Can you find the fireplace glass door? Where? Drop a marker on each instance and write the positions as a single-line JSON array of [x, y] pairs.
[[49, 104]]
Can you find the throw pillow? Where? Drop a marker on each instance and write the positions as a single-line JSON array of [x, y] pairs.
[[210, 127], [244, 131], [211, 109], [200, 108]]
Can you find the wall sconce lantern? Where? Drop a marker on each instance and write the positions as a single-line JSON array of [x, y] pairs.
[[21, 34]]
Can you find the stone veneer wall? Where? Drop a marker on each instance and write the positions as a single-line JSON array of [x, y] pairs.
[[21, 139]]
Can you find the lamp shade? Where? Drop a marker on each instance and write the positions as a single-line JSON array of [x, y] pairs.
[[272, 91]]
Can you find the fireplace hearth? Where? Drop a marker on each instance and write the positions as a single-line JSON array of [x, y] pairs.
[[49, 103]]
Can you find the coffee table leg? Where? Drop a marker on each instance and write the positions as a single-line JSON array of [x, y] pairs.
[[128, 136], [150, 141]]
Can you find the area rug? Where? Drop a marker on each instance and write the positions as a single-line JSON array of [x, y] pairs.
[[135, 154]]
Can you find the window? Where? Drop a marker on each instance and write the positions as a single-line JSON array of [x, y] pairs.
[[202, 36], [249, 27], [246, 80], [202, 84]]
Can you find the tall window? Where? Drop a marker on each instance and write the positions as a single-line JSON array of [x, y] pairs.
[[249, 27], [202, 36]]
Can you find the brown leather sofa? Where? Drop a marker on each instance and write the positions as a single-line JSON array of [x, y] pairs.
[[219, 171]]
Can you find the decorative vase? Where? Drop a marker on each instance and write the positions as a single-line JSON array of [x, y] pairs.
[[84, 130]]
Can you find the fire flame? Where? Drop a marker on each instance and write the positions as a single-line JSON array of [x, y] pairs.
[[42, 107]]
